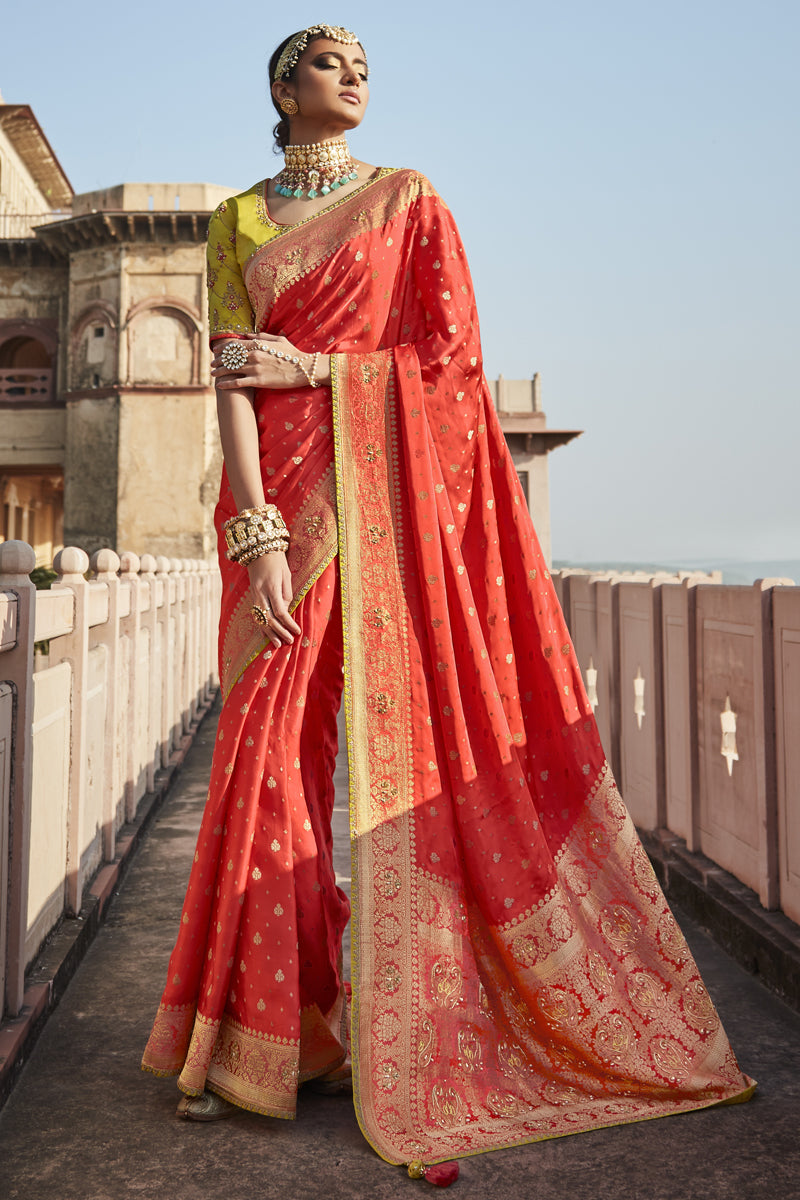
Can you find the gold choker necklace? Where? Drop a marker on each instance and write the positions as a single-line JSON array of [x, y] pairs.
[[315, 170]]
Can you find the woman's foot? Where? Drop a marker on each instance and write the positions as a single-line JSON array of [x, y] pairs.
[[208, 1107], [338, 1082]]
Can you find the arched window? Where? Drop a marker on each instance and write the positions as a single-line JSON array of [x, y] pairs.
[[93, 347], [163, 343], [26, 370], [24, 352]]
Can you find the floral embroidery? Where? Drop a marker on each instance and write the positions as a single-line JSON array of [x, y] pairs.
[[233, 301]]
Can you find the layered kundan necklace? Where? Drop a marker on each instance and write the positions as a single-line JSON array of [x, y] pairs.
[[315, 170]]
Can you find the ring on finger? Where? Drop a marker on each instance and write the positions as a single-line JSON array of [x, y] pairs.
[[234, 356], [261, 616]]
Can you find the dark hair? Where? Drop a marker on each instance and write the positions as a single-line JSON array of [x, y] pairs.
[[280, 131]]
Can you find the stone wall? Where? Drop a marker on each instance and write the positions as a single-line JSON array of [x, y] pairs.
[[696, 690], [115, 295]]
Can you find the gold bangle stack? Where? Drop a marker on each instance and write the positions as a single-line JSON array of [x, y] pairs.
[[255, 531]]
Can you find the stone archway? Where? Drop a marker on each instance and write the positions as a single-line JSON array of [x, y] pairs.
[[163, 343], [93, 347], [26, 368]]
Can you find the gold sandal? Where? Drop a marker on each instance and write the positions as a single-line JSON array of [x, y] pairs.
[[207, 1107]]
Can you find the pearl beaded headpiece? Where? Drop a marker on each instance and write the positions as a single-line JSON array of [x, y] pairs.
[[297, 45]]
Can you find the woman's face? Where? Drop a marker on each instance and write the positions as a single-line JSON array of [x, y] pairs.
[[330, 83]]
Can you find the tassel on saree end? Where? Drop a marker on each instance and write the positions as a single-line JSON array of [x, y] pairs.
[[439, 1174]]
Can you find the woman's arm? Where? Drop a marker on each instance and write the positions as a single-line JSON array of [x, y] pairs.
[[265, 370], [238, 433], [270, 577]]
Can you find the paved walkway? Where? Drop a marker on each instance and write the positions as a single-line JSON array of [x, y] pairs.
[[85, 1124]]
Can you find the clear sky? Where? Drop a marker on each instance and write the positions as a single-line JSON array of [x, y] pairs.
[[625, 176]]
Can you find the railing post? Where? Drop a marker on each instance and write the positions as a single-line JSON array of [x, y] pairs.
[[766, 750], [167, 588], [17, 560], [193, 649], [71, 564], [786, 690], [208, 589], [148, 576], [181, 615], [131, 626], [105, 564], [217, 606]]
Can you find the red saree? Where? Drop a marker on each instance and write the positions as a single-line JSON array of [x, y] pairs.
[[516, 971]]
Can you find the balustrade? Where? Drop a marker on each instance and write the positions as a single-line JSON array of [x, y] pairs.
[[694, 685], [126, 655], [26, 384], [696, 690]]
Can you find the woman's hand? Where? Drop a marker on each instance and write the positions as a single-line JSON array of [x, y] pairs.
[[271, 588], [265, 370]]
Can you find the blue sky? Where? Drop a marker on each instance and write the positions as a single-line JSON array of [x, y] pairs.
[[625, 176]]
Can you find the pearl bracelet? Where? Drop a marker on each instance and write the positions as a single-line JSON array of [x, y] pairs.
[[309, 373]]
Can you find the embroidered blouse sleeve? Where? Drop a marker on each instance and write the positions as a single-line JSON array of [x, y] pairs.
[[229, 310]]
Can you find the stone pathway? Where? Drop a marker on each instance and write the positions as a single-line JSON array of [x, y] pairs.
[[85, 1124]]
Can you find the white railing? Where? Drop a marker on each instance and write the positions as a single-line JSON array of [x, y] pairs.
[[696, 694], [100, 677]]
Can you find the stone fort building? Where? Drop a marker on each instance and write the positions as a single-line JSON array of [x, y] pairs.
[[107, 410]]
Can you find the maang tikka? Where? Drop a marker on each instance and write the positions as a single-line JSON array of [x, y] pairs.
[[288, 59]]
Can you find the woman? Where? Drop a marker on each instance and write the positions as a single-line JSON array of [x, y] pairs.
[[516, 972]]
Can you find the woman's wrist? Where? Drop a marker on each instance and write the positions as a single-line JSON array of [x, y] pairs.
[[314, 369], [323, 372]]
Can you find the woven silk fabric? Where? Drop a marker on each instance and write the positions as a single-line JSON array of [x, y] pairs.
[[516, 971]]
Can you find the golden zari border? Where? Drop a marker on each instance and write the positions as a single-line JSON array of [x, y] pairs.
[[313, 545], [251, 1069], [377, 712], [583, 1012], [284, 260]]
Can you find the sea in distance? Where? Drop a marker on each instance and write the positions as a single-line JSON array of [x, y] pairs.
[[739, 572]]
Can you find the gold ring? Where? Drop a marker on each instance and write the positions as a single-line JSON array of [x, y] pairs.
[[261, 616]]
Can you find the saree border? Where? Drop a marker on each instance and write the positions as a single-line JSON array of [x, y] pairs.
[[354, 706], [385, 1081], [316, 245], [262, 212], [312, 515], [379, 807]]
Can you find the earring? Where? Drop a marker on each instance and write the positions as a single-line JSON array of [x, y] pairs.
[[290, 107]]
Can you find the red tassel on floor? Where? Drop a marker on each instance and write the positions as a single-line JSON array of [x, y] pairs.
[[442, 1174]]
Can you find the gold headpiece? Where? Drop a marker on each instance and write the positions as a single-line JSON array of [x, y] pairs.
[[297, 45]]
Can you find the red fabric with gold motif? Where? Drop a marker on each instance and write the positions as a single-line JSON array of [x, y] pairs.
[[516, 971]]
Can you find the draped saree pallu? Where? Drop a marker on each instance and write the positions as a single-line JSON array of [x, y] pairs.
[[516, 972]]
